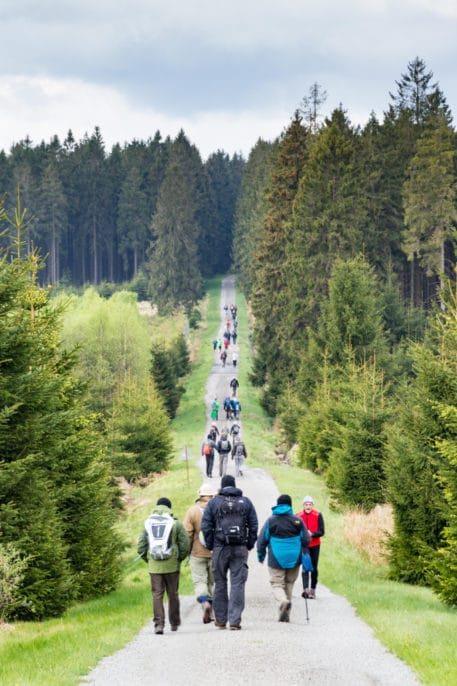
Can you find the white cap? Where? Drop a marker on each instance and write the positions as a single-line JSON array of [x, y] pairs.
[[206, 489]]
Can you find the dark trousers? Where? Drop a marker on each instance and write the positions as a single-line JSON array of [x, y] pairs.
[[314, 554], [231, 559], [169, 583], [209, 464]]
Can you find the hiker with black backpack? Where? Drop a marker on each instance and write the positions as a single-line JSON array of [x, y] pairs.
[[164, 544], [239, 453], [229, 526], [285, 537], [223, 447]]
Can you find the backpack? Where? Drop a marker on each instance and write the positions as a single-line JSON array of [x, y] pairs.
[[207, 449], [224, 444], [159, 529], [231, 521], [239, 450], [235, 429]]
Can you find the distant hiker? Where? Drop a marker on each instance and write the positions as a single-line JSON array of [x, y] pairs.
[[314, 523], [236, 407], [234, 383], [235, 429], [215, 409], [207, 450], [229, 526], [227, 407], [213, 432], [226, 335], [226, 308], [200, 556], [234, 336], [223, 447], [226, 343], [234, 359], [219, 343], [224, 357], [215, 344], [164, 544], [239, 453], [285, 536]]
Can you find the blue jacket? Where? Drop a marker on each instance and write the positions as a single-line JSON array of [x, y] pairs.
[[285, 536]]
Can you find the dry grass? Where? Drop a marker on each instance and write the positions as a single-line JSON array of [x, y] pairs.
[[368, 532]]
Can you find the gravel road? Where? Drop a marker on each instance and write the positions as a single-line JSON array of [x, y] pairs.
[[333, 648]]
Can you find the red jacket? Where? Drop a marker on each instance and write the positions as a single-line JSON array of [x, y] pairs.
[[314, 522]]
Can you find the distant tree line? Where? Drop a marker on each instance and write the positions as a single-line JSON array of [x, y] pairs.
[[99, 216], [345, 241]]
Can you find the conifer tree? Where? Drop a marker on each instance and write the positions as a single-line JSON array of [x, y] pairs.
[[430, 197], [165, 375], [174, 265]]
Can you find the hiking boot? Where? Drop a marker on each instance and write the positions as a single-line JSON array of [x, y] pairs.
[[158, 630], [206, 607], [235, 627], [174, 627], [219, 625], [305, 593], [312, 593], [284, 610]]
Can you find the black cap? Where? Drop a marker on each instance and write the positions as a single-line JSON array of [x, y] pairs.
[[284, 500], [164, 501], [227, 480]]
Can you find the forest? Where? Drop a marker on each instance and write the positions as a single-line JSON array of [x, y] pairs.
[[342, 238]]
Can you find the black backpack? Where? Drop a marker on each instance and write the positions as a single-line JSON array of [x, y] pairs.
[[232, 525]]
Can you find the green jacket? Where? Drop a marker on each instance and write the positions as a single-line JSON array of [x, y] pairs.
[[181, 547]]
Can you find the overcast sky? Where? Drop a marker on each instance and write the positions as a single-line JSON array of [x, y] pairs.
[[225, 72]]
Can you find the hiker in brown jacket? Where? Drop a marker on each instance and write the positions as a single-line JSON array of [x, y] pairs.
[[200, 557]]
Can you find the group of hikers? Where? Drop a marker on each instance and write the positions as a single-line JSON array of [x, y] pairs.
[[217, 532], [220, 529], [230, 333]]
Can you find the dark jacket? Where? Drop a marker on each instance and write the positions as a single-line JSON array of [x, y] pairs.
[[285, 536], [209, 520]]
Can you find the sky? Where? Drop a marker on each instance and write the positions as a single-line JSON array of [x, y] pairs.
[[227, 73]]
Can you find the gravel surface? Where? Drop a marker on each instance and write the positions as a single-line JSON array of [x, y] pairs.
[[330, 647]]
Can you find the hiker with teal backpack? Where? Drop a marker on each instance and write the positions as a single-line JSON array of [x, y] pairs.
[[284, 536], [164, 544]]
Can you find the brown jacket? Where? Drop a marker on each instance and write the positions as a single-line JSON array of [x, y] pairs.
[[192, 524]]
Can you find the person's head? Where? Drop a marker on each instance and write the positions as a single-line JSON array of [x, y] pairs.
[[164, 501], [284, 500], [206, 491], [308, 503], [228, 480]]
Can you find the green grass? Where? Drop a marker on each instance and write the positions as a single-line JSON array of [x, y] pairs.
[[410, 621]]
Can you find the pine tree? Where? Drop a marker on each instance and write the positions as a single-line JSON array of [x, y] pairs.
[[174, 266], [52, 218], [430, 197], [132, 220], [165, 375]]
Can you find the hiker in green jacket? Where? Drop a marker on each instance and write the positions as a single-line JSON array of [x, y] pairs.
[[164, 573]]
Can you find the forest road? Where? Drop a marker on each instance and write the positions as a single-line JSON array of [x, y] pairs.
[[333, 648]]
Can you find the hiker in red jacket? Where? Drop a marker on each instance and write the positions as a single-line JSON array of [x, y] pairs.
[[314, 522]]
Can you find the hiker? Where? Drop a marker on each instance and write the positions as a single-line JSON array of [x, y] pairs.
[[235, 429], [229, 526], [213, 432], [215, 344], [234, 336], [234, 358], [234, 383], [207, 451], [314, 522], [227, 407], [200, 557], [224, 357], [215, 409], [239, 453], [219, 343], [223, 447], [236, 407], [226, 343], [164, 544], [285, 536]]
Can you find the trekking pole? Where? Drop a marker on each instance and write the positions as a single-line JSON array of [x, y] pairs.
[[306, 606]]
